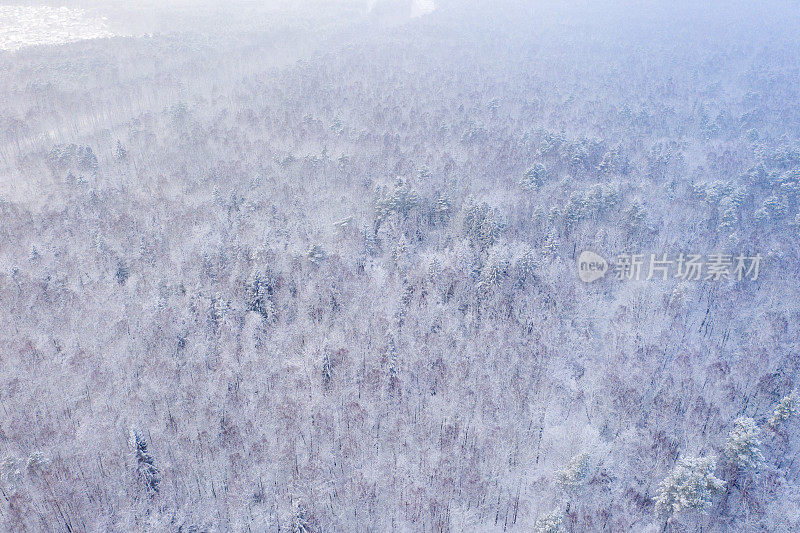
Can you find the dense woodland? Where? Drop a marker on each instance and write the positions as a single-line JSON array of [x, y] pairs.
[[316, 281]]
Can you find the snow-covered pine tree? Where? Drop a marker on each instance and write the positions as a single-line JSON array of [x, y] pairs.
[[575, 473], [550, 523], [391, 357], [785, 408], [146, 470], [327, 368], [300, 523], [534, 177], [743, 445], [36, 463], [691, 485], [120, 152]]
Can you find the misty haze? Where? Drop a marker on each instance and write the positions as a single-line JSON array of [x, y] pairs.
[[399, 266]]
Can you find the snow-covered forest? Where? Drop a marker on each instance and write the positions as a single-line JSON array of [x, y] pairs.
[[312, 267]]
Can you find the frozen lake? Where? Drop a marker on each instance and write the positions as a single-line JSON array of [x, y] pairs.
[[22, 26]]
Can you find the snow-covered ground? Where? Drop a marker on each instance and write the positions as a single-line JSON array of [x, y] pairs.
[[422, 7], [417, 8], [22, 26]]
